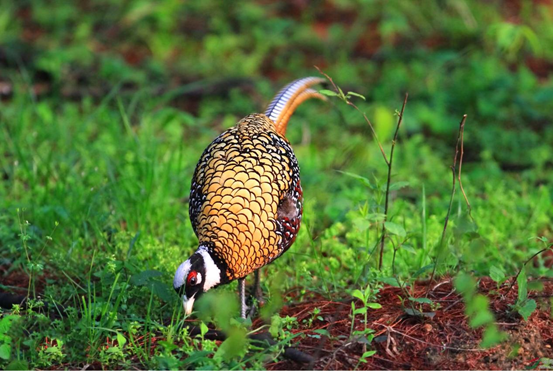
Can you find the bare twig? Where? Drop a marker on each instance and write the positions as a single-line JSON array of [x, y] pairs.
[[460, 166], [390, 329], [388, 161], [453, 168], [389, 164], [526, 262]]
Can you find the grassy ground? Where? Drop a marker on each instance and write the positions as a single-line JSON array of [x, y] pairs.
[[106, 108]]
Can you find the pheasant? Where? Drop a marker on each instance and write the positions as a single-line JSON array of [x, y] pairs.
[[245, 200]]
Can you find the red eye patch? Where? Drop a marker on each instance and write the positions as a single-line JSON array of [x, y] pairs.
[[191, 278]]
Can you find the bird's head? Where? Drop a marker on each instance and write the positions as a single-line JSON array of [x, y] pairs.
[[195, 276]]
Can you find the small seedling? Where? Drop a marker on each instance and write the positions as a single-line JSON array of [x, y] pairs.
[[364, 336], [315, 315], [524, 306]]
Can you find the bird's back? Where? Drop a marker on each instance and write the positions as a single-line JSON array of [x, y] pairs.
[[246, 197]]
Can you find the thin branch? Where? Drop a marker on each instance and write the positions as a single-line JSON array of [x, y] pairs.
[[460, 166], [389, 163], [526, 262], [453, 168], [356, 107], [390, 329], [388, 160]]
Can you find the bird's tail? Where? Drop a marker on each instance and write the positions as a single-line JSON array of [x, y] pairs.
[[289, 98]]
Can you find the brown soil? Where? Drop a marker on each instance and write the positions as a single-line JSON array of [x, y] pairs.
[[16, 281], [442, 342]]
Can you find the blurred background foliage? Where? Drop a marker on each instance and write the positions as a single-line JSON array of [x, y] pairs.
[[489, 59], [126, 94]]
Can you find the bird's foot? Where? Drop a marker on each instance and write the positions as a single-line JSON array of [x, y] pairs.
[[256, 301], [252, 309]]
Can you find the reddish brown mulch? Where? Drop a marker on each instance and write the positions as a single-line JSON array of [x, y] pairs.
[[443, 342], [16, 280]]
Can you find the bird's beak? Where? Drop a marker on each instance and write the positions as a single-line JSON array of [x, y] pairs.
[[187, 304]]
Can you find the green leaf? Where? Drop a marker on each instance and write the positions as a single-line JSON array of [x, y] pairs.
[[341, 93], [361, 310], [374, 305], [481, 318], [121, 340], [327, 92], [360, 223], [543, 239], [465, 284], [197, 356], [369, 353], [203, 329], [497, 274], [232, 346], [358, 294], [364, 180], [527, 309], [363, 336], [6, 324], [168, 345], [355, 95], [422, 270], [492, 336], [477, 307], [163, 290], [17, 365], [522, 286], [395, 229], [276, 326], [421, 300], [5, 351], [390, 281], [132, 244], [323, 332]]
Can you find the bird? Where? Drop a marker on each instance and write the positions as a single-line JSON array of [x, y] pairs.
[[246, 199]]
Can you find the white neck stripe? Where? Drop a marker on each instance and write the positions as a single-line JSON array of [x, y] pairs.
[[213, 273]]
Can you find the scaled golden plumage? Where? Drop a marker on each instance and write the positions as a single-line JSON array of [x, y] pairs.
[[239, 184]]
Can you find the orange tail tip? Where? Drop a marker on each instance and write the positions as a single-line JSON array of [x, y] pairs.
[[289, 98]]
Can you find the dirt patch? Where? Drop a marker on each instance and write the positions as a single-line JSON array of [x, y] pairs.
[[16, 281], [441, 340]]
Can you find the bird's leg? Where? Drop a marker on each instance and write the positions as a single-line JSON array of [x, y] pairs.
[[242, 296], [257, 292]]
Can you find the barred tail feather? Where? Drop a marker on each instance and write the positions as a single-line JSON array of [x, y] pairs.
[[289, 98]]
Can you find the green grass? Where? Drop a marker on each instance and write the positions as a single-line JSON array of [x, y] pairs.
[[93, 190]]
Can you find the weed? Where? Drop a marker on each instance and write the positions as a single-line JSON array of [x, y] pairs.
[[50, 352], [364, 336], [524, 306], [315, 315]]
